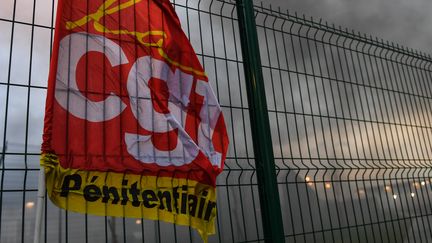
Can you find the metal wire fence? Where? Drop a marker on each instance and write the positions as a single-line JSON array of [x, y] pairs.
[[350, 129], [351, 132]]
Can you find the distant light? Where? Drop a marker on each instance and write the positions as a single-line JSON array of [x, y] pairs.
[[423, 183], [387, 188], [138, 221], [30, 204], [307, 178], [327, 185], [394, 196], [416, 184], [361, 192], [310, 183], [412, 194]]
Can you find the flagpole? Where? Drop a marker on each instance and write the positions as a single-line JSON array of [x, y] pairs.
[[39, 205]]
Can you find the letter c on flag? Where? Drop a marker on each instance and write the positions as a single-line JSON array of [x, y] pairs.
[[72, 48]]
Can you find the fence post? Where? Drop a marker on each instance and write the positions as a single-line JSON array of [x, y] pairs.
[[261, 134]]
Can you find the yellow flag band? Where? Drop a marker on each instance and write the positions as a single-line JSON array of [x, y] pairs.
[[174, 200]]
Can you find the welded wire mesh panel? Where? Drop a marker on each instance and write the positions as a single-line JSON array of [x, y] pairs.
[[25, 44], [351, 132], [24, 58], [350, 119], [213, 30]]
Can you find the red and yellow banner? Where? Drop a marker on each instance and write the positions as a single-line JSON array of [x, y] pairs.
[[132, 126]]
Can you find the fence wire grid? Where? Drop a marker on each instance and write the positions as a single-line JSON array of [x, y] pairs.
[[350, 120]]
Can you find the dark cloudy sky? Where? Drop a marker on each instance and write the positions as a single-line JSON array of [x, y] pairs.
[[406, 22]]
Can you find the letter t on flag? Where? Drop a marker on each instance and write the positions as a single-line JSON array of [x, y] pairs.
[[132, 126]]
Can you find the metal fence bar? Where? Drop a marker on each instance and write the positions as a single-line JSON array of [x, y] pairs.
[[6, 117], [265, 167]]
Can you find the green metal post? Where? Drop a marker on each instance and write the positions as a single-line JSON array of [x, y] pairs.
[[261, 134]]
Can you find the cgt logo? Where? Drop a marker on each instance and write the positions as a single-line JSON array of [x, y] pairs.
[[171, 117]]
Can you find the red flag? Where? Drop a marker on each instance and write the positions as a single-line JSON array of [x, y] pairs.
[[132, 126]]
